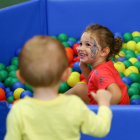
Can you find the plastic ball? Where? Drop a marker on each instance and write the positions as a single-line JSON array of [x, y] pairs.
[[127, 80], [2, 94], [135, 33], [14, 61], [9, 94], [76, 59], [63, 37], [12, 74], [131, 45], [121, 59], [17, 93], [136, 39], [13, 80], [2, 66], [138, 46], [13, 101], [133, 91], [121, 74], [127, 72], [66, 44], [10, 99], [127, 63], [71, 64], [127, 86], [124, 46], [76, 67], [69, 50], [73, 39], [73, 80], [82, 77], [28, 87], [123, 49], [11, 68], [119, 66], [17, 51], [71, 43], [127, 37], [134, 77], [135, 102], [63, 87], [76, 74], [136, 85], [75, 47], [2, 86], [8, 89], [88, 65], [85, 81], [26, 93], [134, 69], [18, 85], [136, 52], [138, 57], [7, 81], [128, 56], [134, 97], [3, 75], [133, 60], [122, 54], [137, 64]]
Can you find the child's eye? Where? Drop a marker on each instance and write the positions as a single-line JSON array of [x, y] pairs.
[[80, 44], [88, 44]]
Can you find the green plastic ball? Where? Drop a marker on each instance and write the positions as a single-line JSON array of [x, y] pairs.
[[124, 50], [127, 37], [73, 39], [88, 65], [12, 74], [127, 86], [134, 77], [133, 91], [66, 44], [3, 74], [14, 62], [7, 81], [128, 56], [135, 85], [136, 39], [53, 36], [28, 87], [134, 97], [63, 87], [10, 99], [127, 63], [14, 80], [11, 68], [14, 58], [63, 37], [129, 52], [2, 66], [137, 54], [137, 64], [121, 74]]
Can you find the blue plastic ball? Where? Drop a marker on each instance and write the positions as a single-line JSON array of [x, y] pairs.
[[121, 59], [8, 89], [18, 51], [9, 94], [76, 67], [71, 43], [78, 41], [135, 102], [2, 86], [26, 93], [127, 80], [18, 85], [118, 34], [138, 57]]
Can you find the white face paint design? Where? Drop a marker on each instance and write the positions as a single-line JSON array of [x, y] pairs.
[[94, 49]]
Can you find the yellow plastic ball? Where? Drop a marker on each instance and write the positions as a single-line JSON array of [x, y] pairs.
[[17, 93], [133, 60], [127, 72], [134, 69], [138, 46], [122, 54], [73, 80], [136, 33], [136, 51], [124, 45], [116, 56], [82, 82], [131, 45], [76, 73], [119, 66]]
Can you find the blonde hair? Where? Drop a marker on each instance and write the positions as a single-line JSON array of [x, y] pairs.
[[42, 61], [106, 38]]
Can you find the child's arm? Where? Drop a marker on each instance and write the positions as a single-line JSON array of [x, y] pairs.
[[85, 70], [116, 93], [13, 125], [98, 125]]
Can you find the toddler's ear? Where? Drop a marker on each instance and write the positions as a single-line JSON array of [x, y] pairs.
[[66, 74], [105, 51], [20, 78]]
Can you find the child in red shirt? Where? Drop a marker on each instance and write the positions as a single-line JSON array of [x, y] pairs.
[[97, 45]]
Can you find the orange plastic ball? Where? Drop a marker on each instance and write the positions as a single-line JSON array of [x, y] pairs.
[[2, 94]]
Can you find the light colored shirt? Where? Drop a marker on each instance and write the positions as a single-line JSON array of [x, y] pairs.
[[60, 119]]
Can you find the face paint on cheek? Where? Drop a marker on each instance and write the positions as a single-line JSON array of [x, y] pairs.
[[94, 49]]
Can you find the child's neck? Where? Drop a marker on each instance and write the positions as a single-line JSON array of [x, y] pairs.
[[95, 64], [46, 93]]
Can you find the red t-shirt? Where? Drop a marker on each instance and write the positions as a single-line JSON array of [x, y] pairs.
[[102, 76]]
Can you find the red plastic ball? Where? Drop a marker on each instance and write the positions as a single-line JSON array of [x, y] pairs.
[[82, 77], [13, 101], [75, 47], [71, 64], [84, 80], [76, 59], [69, 50], [2, 94]]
